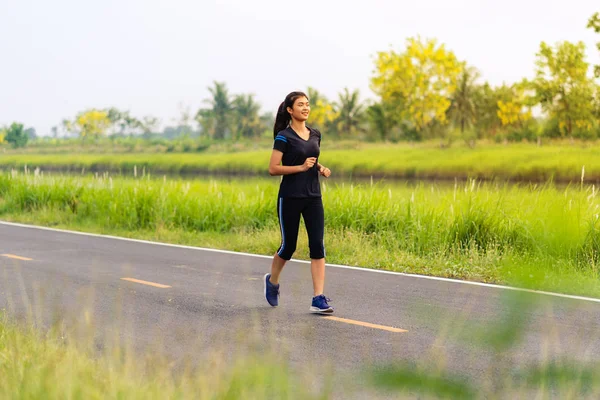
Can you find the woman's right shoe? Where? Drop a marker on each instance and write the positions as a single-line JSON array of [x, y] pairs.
[[320, 306]]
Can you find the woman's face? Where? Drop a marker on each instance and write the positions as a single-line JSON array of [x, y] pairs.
[[301, 109]]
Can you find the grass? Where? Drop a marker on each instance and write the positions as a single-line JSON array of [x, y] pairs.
[[44, 364], [63, 362], [559, 161], [541, 237], [507, 375]]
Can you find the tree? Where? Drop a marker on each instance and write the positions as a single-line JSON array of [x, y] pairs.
[[322, 112], [16, 136], [514, 105], [563, 87], [116, 120], [246, 116], [133, 124], [597, 103], [122, 122], [487, 121], [594, 23], [54, 131], [268, 120], [92, 123], [349, 112], [206, 121], [511, 113], [149, 124], [314, 96], [184, 123], [462, 110], [380, 119], [496, 110], [216, 120], [67, 127], [417, 83]]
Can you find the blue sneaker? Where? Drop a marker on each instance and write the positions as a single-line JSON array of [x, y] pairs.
[[271, 291], [320, 306]]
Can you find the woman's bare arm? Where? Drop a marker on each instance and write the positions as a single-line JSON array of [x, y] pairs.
[[276, 169]]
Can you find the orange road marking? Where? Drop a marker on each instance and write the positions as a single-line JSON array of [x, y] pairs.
[[366, 324], [158, 285], [16, 257]]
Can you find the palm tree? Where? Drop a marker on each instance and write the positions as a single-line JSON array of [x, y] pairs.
[[462, 109], [247, 119], [350, 112], [379, 120], [313, 95], [220, 111], [206, 121]]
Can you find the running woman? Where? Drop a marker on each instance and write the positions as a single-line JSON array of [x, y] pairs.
[[295, 155]]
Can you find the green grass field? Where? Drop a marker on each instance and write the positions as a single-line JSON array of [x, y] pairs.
[[561, 162]]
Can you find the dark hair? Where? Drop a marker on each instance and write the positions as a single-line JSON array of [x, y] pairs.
[[283, 117]]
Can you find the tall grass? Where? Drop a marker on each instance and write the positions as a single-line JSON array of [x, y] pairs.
[[518, 162], [64, 362], [492, 232], [507, 373], [42, 364]]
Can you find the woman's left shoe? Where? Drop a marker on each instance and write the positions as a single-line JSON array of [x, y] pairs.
[[271, 291]]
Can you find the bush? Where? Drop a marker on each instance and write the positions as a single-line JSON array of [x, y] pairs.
[[16, 136]]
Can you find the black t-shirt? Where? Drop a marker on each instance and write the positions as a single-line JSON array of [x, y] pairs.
[[295, 151]]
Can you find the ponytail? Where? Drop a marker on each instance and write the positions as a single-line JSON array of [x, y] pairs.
[[283, 117]]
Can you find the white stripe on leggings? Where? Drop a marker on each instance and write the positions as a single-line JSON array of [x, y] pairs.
[[281, 224]]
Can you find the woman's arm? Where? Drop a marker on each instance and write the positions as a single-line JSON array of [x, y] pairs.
[[323, 170], [276, 169]]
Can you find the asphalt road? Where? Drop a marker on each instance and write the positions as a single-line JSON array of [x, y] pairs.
[[186, 302]]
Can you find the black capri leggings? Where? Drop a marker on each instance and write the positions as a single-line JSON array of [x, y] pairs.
[[289, 210]]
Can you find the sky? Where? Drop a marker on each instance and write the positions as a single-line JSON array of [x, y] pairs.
[[158, 58]]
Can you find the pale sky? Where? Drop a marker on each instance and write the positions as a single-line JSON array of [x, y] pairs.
[[60, 57]]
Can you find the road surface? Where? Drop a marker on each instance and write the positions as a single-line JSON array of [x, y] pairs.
[[187, 301]]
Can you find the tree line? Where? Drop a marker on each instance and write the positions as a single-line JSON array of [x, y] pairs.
[[424, 92]]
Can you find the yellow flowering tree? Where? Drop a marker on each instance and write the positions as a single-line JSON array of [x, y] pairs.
[[513, 113], [92, 123], [322, 112], [419, 82]]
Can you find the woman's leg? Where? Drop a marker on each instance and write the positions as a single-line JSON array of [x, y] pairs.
[[314, 219], [288, 212], [317, 269], [276, 268]]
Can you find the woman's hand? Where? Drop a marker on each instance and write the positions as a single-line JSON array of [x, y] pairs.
[[309, 163], [324, 171]]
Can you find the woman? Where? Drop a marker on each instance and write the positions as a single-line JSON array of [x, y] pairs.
[[295, 156]]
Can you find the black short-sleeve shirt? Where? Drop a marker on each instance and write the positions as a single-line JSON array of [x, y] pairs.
[[295, 151]]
